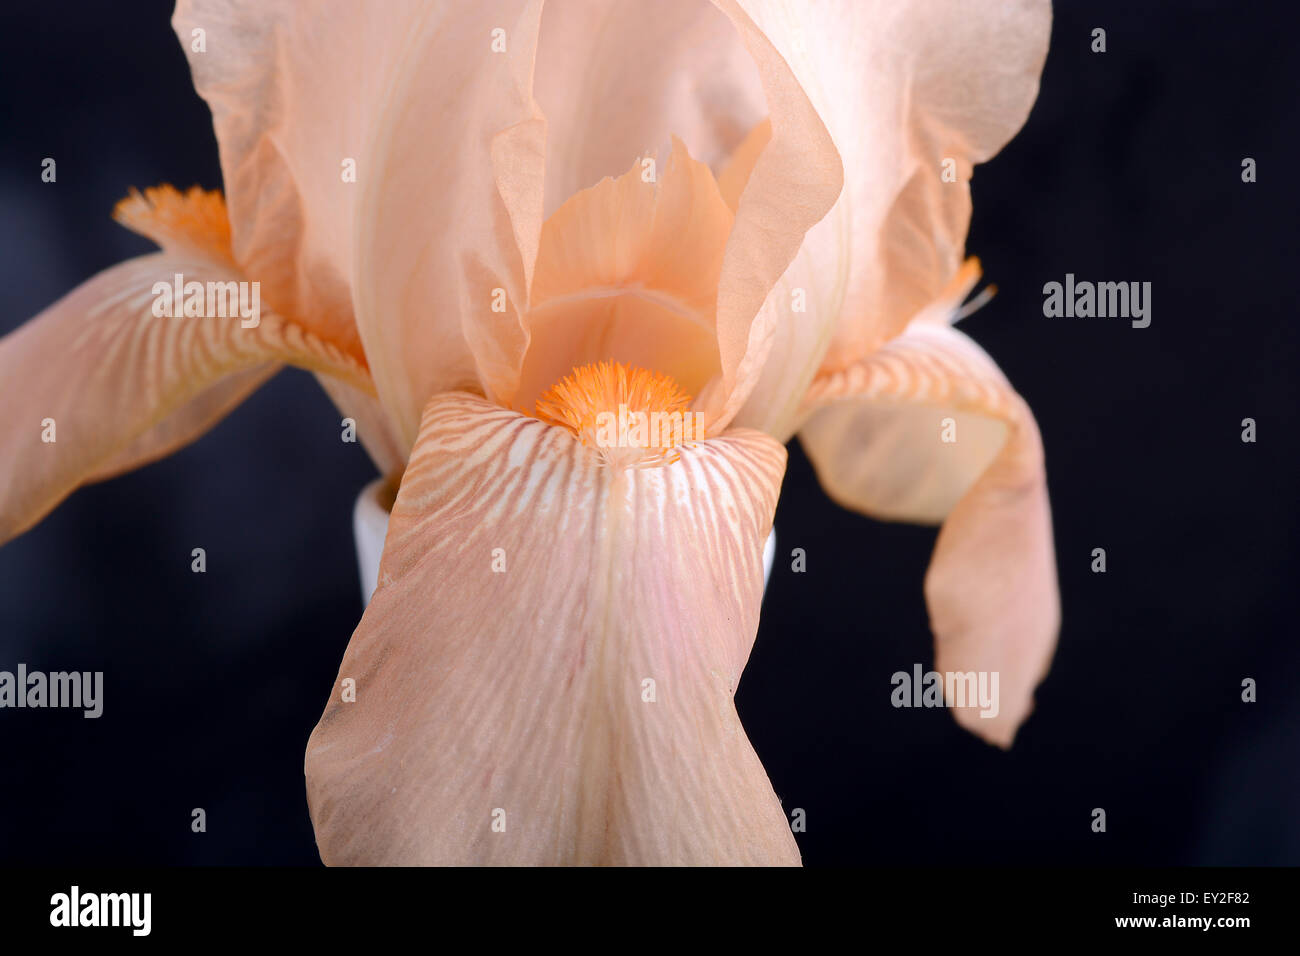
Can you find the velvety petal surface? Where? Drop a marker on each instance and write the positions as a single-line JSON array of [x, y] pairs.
[[553, 649], [927, 429]]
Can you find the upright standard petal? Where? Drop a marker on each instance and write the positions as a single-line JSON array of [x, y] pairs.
[[546, 672], [913, 94], [618, 78], [927, 429], [295, 92], [451, 208], [100, 383], [627, 271], [794, 180]]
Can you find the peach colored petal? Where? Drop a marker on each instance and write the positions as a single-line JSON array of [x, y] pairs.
[[794, 182], [628, 271], [451, 208], [187, 423], [295, 90], [877, 442], [519, 695], [780, 401], [901, 87], [740, 164], [195, 223], [617, 78], [665, 235], [125, 387]]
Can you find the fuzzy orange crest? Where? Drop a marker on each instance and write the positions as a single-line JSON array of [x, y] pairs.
[[193, 220], [630, 416]]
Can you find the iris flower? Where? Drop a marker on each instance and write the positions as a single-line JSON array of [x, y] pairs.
[[546, 671]]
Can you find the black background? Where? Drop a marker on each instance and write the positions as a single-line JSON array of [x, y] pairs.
[[1129, 168]]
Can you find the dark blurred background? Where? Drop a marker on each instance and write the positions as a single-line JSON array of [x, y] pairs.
[[1129, 169]]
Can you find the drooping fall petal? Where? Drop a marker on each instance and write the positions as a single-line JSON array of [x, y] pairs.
[[546, 672], [196, 223], [927, 429], [123, 386], [911, 93]]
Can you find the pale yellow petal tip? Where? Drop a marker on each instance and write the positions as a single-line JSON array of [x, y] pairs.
[[194, 220]]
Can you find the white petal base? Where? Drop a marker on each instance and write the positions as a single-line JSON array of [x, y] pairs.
[[369, 526]]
